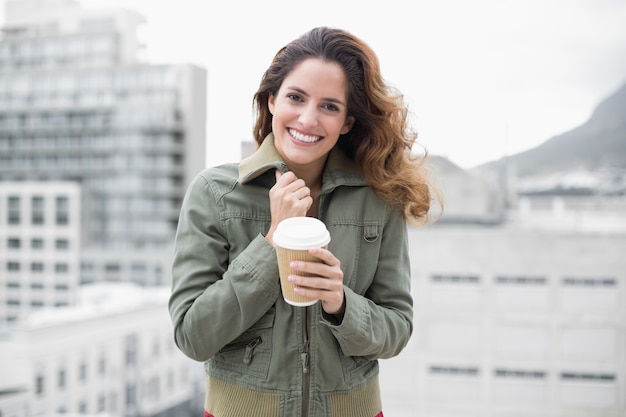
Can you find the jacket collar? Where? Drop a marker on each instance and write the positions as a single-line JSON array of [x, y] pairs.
[[339, 170]]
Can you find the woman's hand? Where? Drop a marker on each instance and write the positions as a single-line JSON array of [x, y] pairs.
[[289, 197], [326, 284]]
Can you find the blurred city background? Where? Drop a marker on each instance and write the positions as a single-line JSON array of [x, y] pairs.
[[519, 287]]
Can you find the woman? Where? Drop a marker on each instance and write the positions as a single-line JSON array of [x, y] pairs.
[[333, 144]]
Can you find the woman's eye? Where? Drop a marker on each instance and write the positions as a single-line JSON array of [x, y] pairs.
[[294, 97], [331, 107]]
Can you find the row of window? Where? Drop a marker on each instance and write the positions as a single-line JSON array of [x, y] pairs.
[[37, 210], [91, 163], [86, 99], [37, 243], [53, 62], [37, 267], [523, 374], [152, 391], [152, 116], [14, 303], [25, 48], [147, 143], [118, 80], [37, 286], [526, 280]]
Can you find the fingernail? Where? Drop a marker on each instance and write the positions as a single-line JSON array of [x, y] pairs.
[[291, 278], [294, 265]]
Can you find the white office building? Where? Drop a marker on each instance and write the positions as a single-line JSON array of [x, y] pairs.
[[39, 246], [523, 319], [76, 104], [110, 354]]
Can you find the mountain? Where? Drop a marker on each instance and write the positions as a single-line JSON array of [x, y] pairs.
[[589, 159]]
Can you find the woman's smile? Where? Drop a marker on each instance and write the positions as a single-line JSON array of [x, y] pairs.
[[301, 137]]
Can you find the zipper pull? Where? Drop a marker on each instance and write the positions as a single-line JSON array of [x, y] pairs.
[[305, 362], [247, 356]]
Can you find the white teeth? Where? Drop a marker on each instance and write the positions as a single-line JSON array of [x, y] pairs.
[[304, 138]]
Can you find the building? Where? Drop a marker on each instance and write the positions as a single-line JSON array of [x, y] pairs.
[[525, 318], [110, 354], [77, 105], [39, 246], [96, 150]]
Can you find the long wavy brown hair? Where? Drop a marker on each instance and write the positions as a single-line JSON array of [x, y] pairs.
[[381, 140]]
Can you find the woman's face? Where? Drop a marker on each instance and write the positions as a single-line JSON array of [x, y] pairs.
[[309, 113]]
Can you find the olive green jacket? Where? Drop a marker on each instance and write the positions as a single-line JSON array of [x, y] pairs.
[[264, 357]]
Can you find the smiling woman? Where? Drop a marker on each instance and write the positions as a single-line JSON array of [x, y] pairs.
[[334, 144]]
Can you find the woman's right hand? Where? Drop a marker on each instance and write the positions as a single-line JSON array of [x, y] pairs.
[[289, 197]]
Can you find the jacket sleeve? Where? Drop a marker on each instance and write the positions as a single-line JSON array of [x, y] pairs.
[[379, 324], [214, 298]]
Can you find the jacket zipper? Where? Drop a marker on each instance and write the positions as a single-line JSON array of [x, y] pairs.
[[250, 345], [305, 355]]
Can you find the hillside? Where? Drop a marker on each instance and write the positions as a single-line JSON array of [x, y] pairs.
[[588, 159]]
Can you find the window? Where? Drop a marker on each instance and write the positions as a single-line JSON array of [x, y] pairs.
[[62, 211], [156, 347], [61, 287], [101, 403], [13, 210], [62, 244], [154, 391], [13, 266], [14, 243], [519, 374], [454, 370], [82, 372], [589, 282], [37, 210], [131, 395], [455, 279], [521, 280], [61, 379], [39, 385], [102, 365], [86, 266], [36, 243], [36, 267], [587, 377], [138, 267], [131, 350], [170, 381], [61, 268]]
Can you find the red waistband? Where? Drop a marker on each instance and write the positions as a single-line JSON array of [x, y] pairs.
[[210, 415]]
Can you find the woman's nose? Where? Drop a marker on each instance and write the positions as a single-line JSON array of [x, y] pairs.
[[308, 116]]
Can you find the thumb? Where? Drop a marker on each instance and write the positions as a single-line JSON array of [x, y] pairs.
[[278, 174]]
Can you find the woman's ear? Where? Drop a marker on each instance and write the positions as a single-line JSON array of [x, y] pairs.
[[270, 103], [347, 125]]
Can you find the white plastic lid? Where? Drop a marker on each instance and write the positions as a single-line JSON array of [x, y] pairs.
[[301, 233]]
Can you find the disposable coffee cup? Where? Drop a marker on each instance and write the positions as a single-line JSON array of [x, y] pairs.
[[293, 238]]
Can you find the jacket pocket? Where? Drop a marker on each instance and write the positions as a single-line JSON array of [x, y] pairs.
[[250, 353], [357, 368]]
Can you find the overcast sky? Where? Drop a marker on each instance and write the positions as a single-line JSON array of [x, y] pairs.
[[483, 78]]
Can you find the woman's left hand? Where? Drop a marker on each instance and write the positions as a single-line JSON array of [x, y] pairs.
[[326, 282]]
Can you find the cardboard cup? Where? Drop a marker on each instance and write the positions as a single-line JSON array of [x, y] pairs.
[[293, 238]]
